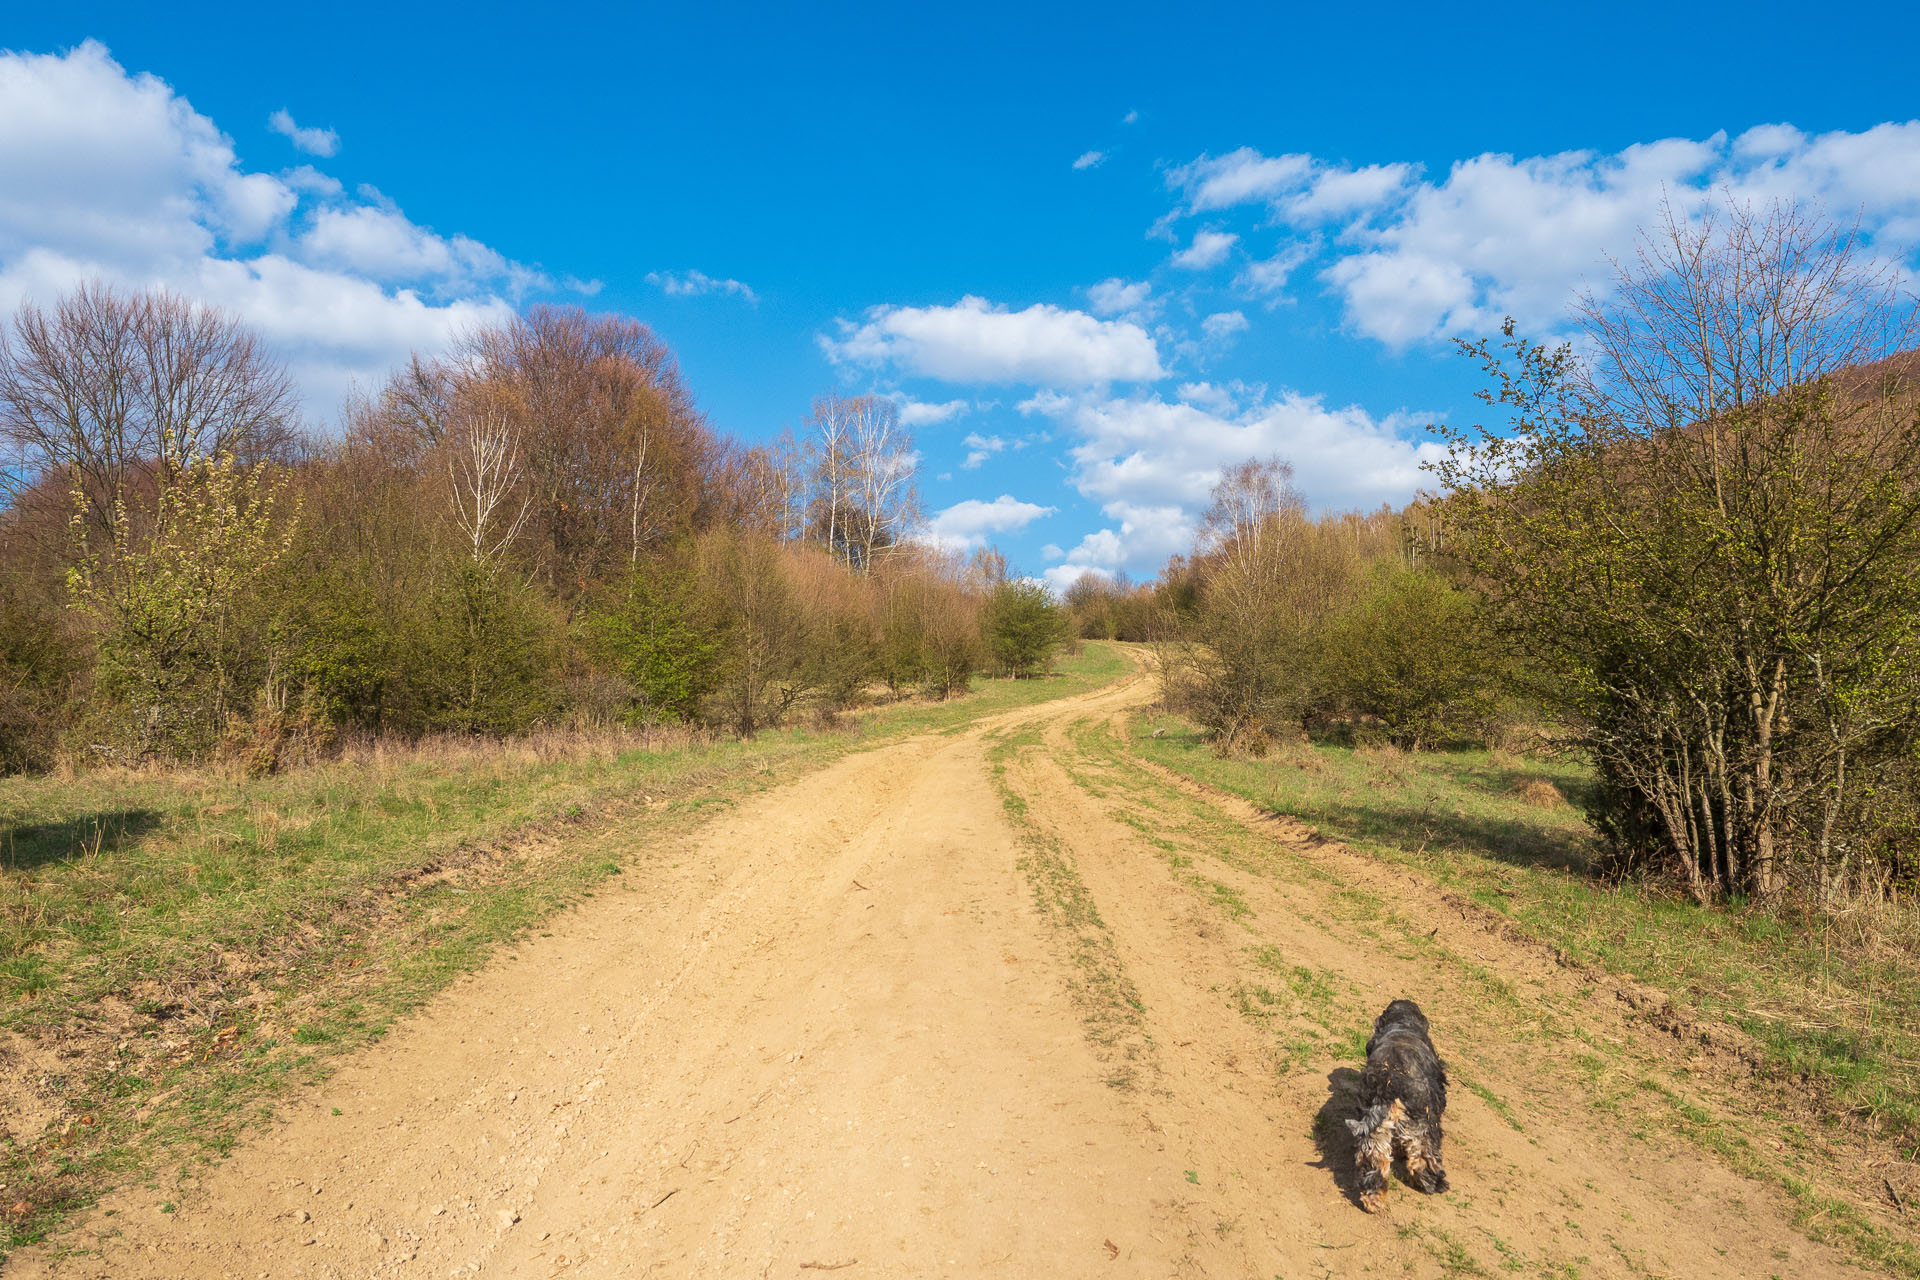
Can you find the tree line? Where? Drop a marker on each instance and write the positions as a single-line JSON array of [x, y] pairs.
[[1686, 545], [537, 526]]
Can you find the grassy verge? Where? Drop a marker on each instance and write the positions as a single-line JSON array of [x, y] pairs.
[[1827, 1001], [1832, 998], [179, 948]]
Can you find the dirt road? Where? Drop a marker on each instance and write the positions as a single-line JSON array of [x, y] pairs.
[[1002, 1002]]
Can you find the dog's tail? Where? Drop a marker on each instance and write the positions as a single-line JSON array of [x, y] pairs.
[[1381, 1116]]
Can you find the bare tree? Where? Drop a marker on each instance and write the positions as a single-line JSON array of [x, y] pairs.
[[1249, 530], [419, 398], [106, 384], [483, 468], [830, 453], [1728, 309], [862, 470], [785, 485], [770, 487], [884, 462], [1249, 495], [615, 453], [639, 527]]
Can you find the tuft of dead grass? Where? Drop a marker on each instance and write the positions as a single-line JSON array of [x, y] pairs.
[[1385, 762], [1537, 793]]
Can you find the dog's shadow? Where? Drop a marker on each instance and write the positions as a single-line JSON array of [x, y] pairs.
[[1331, 1137]]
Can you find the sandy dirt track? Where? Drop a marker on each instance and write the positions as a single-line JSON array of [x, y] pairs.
[[836, 1032]]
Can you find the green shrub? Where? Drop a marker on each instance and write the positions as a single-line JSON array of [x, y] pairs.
[[1410, 654], [345, 649], [175, 605], [493, 653], [655, 630], [1024, 627]]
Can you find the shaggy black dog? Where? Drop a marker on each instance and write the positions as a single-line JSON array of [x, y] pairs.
[[1403, 1092]]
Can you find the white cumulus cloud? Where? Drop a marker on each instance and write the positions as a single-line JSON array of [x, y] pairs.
[[114, 176], [1336, 193], [920, 413], [1270, 275], [1090, 159], [1412, 258], [692, 284], [1209, 249], [1117, 297], [315, 142], [980, 448], [310, 181], [976, 341], [1223, 325], [1238, 177], [380, 243], [970, 525]]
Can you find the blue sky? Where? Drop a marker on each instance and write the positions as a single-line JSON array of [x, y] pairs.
[[1096, 252]]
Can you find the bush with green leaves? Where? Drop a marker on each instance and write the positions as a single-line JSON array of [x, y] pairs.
[[1705, 531], [494, 651], [173, 603], [1024, 628], [661, 636], [929, 625], [1410, 657], [346, 649]]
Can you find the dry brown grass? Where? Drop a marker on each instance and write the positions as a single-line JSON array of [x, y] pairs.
[[378, 754], [1538, 793], [1385, 763], [541, 746]]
